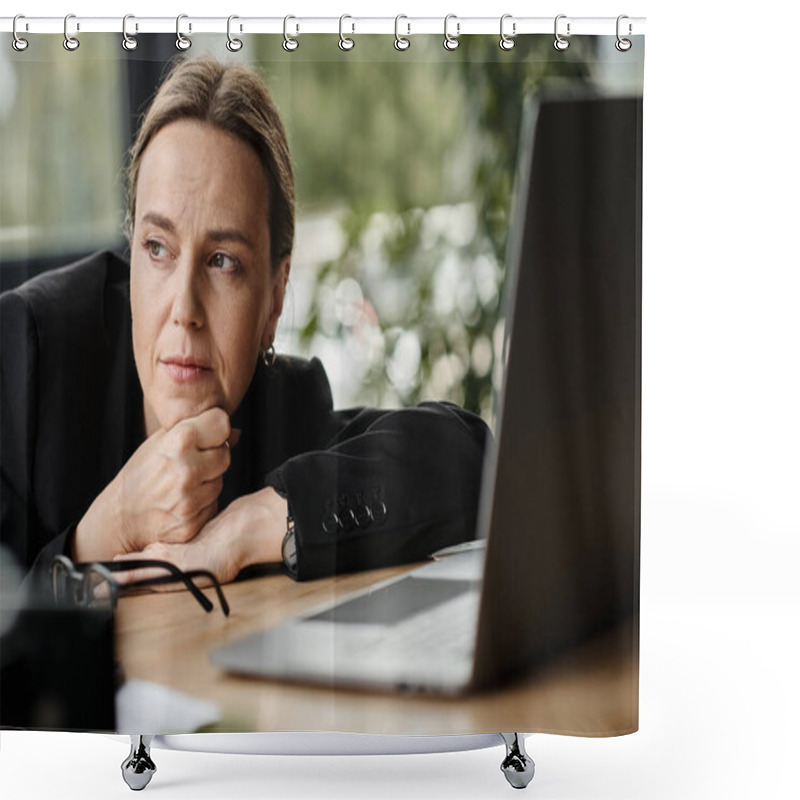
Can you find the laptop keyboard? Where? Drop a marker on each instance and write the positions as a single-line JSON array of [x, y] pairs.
[[446, 631], [415, 633]]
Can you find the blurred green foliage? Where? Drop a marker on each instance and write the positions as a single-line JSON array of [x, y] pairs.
[[386, 140]]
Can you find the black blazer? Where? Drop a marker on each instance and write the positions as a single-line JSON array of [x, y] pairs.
[[366, 487]]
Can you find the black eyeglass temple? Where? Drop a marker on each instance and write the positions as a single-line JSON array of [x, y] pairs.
[[175, 572], [215, 582], [195, 573]]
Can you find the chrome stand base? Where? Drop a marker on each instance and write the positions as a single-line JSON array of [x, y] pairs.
[[517, 766], [138, 768]]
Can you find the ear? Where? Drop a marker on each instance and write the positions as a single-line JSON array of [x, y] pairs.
[[280, 278]]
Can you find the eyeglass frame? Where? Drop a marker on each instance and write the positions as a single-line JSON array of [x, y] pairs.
[[80, 574]]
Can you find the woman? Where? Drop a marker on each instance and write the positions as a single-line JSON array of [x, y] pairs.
[[144, 412]]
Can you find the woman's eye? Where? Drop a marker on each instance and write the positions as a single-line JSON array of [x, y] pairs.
[[157, 250], [224, 262]]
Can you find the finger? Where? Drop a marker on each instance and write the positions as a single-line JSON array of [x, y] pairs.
[[210, 463], [179, 555], [233, 439], [212, 428], [137, 586], [129, 576]]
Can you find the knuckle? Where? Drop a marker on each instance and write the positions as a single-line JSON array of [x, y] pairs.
[[185, 509], [185, 477], [159, 550], [225, 421], [216, 415], [222, 423], [188, 532], [183, 532], [183, 437]]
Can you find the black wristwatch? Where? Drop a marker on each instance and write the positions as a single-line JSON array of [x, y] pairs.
[[289, 547], [289, 543]]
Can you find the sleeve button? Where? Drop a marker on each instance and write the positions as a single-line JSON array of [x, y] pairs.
[[347, 518], [363, 516], [330, 522], [379, 510]]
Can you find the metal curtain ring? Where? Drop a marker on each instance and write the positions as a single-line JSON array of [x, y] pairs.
[[18, 43], [182, 43], [233, 44], [400, 42], [345, 42], [290, 44], [560, 42], [621, 44], [507, 42], [128, 42], [70, 42], [451, 42]]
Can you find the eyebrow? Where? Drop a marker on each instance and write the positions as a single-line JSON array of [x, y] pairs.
[[158, 220], [230, 235], [222, 235]]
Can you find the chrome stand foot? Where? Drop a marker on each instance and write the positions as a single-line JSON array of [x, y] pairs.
[[517, 766], [138, 768]]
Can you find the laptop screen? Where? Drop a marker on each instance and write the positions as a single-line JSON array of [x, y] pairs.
[[562, 510]]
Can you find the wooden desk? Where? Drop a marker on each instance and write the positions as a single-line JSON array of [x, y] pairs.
[[166, 638]]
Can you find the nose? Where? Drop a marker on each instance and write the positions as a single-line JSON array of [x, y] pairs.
[[187, 301]]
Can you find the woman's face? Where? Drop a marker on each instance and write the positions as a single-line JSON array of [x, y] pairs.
[[203, 296]]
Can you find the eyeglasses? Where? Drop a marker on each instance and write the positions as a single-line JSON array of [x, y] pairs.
[[78, 584]]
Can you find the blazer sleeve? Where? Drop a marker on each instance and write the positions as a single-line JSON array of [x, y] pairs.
[[390, 487], [23, 533]]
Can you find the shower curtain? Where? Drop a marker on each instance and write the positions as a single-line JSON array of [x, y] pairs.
[[420, 232]]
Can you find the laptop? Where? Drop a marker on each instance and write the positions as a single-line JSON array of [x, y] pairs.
[[555, 559]]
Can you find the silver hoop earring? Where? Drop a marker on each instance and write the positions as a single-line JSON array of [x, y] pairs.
[[268, 356]]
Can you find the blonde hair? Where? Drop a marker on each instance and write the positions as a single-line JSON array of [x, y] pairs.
[[234, 99]]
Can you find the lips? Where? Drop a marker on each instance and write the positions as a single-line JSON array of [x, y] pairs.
[[185, 369]]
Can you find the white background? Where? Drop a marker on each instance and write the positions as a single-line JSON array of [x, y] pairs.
[[720, 440]]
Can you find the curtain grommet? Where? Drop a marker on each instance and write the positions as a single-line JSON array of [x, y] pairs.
[[181, 42], [401, 43], [345, 42], [290, 43], [70, 43], [17, 42], [560, 43], [233, 44], [507, 42], [128, 42], [623, 45], [451, 42]]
